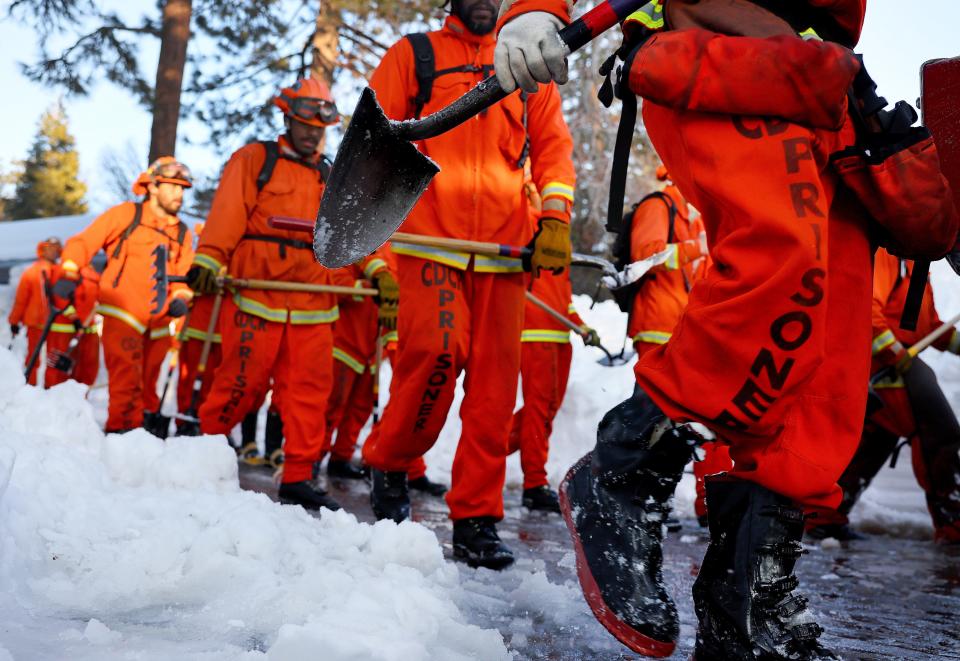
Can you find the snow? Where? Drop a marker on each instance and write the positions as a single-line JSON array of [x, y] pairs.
[[115, 547]]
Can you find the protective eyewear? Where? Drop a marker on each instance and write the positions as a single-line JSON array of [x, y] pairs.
[[171, 172], [309, 109]]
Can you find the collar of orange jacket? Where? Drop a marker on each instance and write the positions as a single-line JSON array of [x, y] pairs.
[[456, 26]]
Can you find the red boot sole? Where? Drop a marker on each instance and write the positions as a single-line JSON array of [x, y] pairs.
[[622, 631]]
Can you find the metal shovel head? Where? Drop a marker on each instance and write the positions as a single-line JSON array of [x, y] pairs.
[[376, 179], [617, 360]]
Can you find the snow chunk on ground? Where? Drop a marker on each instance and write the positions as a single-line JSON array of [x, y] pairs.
[[132, 535]]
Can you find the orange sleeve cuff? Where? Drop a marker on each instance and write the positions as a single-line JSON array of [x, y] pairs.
[[556, 214], [558, 8]]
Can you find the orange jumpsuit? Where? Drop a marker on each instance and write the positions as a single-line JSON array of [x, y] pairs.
[[135, 342], [663, 294], [31, 308], [86, 355], [897, 418], [285, 336], [545, 355], [463, 312], [200, 312]]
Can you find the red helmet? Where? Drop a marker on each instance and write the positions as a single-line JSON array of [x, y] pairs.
[[309, 101], [52, 242], [164, 170]]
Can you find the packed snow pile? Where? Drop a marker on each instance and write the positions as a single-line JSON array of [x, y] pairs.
[[106, 540]]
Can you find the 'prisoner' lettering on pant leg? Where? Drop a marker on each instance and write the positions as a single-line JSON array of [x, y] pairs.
[[437, 379], [244, 352]]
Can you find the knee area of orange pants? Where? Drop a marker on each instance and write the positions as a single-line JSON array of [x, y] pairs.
[[770, 349], [298, 359], [123, 354], [189, 365]]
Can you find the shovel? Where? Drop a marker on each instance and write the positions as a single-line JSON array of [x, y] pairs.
[[379, 175]]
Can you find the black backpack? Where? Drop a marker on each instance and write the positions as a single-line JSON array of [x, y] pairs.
[[425, 68], [621, 247]]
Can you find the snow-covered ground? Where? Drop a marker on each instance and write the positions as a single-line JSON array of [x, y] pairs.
[[127, 547]]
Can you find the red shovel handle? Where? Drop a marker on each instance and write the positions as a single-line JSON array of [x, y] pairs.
[[290, 223]]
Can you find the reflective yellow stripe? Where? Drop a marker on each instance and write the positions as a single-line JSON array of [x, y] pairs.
[[557, 189], [490, 264], [890, 383], [207, 262], [882, 341], [545, 335], [157, 333], [652, 337], [62, 328], [673, 257], [373, 266], [649, 16], [954, 346], [348, 360], [458, 260], [391, 336], [810, 35], [307, 317], [122, 315], [258, 309], [571, 309], [69, 310], [196, 334], [357, 284]]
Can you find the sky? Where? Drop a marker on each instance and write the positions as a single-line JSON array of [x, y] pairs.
[[895, 43]]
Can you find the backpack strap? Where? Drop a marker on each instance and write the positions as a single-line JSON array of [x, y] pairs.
[[918, 284], [425, 67], [137, 217], [269, 163], [672, 212]]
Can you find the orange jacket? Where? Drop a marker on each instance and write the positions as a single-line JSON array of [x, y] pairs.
[[663, 292], [479, 194], [891, 280], [555, 291], [239, 214], [30, 306], [127, 283], [84, 302]]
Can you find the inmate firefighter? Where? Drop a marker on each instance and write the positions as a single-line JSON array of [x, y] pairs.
[[545, 356], [31, 305], [664, 221], [73, 345], [463, 312], [770, 352], [911, 405], [135, 341], [285, 335]]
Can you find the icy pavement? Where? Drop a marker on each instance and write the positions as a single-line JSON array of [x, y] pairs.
[[881, 598]]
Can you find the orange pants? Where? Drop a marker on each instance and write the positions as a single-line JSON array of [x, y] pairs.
[[190, 352], [133, 363], [716, 459], [772, 350], [454, 321], [351, 403], [86, 359], [299, 358], [33, 338], [544, 370]]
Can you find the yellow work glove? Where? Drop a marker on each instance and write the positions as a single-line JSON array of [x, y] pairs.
[[591, 337], [202, 280], [550, 247], [388, 300]]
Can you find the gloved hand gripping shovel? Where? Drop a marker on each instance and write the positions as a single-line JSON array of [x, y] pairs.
[[379, 175], [63, 361]]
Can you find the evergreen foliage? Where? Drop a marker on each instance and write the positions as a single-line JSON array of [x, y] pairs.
[[48, 185]]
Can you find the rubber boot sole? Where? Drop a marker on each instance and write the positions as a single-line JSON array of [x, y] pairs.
[[463, 554], [622, 631]]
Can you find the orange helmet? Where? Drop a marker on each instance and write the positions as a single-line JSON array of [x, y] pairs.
[[308, 101], [52, 242], [164, 170], [662, 173]]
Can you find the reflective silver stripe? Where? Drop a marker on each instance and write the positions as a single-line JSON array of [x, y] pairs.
[[122, 315], [208, 262], [348, 360], [458, 260], [652, 337], [545, 335], [882, 341], [491, 264]]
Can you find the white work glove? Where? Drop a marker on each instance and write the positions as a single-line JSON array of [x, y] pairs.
[[529, 50]]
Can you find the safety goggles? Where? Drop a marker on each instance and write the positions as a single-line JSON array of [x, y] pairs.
[[171, 172], [310, 109]]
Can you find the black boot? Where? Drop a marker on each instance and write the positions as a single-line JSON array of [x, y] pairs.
[[273, 439], [305, 494], [542, 498], [615, 501], [344, 470], [475, 541], [424, 484], [744, 593], [389, 497], [248, 429], [156, 424]]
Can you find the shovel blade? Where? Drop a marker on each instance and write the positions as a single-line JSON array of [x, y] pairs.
[[376, 179]]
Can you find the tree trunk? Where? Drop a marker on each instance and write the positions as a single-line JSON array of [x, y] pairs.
[[174, 35], [326, 43]]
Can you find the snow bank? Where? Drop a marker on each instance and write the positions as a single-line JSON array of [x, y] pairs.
[[115, 538]]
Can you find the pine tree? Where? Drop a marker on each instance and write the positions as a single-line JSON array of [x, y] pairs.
[[48, 184]]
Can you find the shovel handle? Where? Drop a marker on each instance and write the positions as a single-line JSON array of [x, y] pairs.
[[462, 245], [488, 92], [562, 319]]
